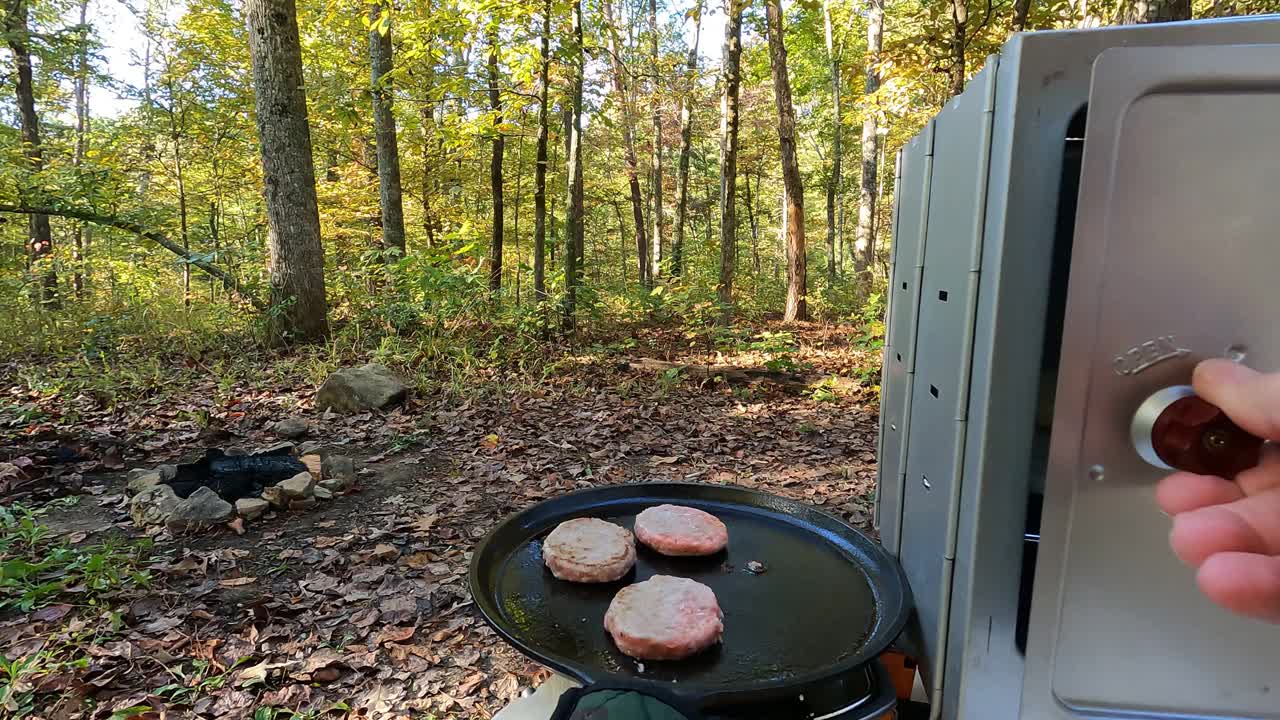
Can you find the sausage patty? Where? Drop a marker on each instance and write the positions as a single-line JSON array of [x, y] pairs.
[[664, 618], [589, 550], [679, 530]]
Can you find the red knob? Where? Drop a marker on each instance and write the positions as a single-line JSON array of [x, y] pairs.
[[1176, 429]]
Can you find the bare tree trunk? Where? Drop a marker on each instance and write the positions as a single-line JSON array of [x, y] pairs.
[[495, 167], [384, 128], [574, 207], [959, 23], [686, 143], [837, 150], [865, 243], [176, 134], [213, 236], [40, 239], [540, 172], [1020, 10], [296, 263], [659, 233], [755, 225], [623, 89], [82, 144], [515, 227], [797, 308], [729, 120], [1137, 12], [428, 177]]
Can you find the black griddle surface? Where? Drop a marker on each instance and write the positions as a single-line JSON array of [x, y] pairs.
[[830, 598]]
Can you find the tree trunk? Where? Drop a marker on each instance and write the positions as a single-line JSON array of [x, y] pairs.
[[82, 144], [837, 150], [540, 172], [729, 120], [40, 238], [176, 132], [495, 167], [515, 226], [686, 143], [573, 205], [296, 260], [1020, 10], [213, 236], [659, 233], [428, 177], [959, 22], [1138, 12], [797, 308], [755, 224], [865, 243], [623, 89], [390, 200]]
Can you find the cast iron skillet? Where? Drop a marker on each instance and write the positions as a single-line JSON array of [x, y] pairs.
[[830, 598]]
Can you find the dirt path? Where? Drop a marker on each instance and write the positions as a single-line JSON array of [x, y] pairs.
[[360, 605]]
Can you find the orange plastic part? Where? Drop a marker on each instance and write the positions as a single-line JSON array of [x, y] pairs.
[[903, 671]]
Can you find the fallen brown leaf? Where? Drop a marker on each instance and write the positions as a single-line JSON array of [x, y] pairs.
[[237, 582]]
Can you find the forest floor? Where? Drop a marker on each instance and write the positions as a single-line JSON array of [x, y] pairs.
[[359, 607]]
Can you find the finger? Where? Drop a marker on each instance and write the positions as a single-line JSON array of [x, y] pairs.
[[1250, 398], [1184, 492], [1243, 583], [1265, 476], [1199, 534]]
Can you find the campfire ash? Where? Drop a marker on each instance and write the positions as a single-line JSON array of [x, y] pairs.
[[222, 486], [234, 477]]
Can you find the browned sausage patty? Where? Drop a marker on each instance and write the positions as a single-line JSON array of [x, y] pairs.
[[664, 618], [679, 530], [589, 550]]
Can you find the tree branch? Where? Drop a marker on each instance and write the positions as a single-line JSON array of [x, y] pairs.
[[228, 280]]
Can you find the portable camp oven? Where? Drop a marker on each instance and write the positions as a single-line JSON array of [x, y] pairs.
[[1096, 213]]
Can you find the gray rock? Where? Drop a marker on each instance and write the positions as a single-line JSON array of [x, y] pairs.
[[142, 479], [235, 451], [332, 485], [340, 470], [282, 447], [310, 447], [291, 428], [370, 387], [303, 504], [275, 495], [323, 493], [251, 508], [299, 486], [201, 509], [153, 505]]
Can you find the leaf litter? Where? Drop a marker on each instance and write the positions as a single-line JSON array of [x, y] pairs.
[[361, 606]]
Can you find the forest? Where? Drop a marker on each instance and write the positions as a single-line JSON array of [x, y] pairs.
[[566, 242]]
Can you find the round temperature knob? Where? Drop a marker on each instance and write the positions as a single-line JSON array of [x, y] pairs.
[[1175, 429]]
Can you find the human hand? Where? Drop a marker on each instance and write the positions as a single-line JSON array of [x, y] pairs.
[[1230, 531]]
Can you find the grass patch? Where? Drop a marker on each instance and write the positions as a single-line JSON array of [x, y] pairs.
[[37, 570]]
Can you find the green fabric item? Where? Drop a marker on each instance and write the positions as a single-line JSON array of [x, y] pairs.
[[622, 705]]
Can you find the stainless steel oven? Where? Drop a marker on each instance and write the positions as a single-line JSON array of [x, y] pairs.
[[1097, 212]]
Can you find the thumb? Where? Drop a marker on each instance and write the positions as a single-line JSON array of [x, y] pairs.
[[1250, 398]]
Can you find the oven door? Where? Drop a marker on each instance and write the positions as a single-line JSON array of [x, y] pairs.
[[1176, 259]]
